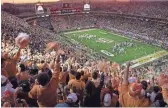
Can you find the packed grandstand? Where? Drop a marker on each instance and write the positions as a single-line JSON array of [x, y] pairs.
[[112, 56]]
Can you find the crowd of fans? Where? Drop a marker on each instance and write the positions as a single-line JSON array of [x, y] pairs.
[[32, 76], [157, 9]]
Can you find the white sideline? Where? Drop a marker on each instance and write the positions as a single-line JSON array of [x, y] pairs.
[[78, 31], [149, 58]]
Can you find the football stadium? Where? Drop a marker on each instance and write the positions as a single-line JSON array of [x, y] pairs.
[[84, 53], [106, 43]]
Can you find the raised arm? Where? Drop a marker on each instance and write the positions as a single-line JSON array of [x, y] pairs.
[[56, 71], [124, 85], [16, 57], [126, 73]]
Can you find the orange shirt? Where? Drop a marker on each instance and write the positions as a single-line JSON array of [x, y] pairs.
[[46, 96], [165, 94], [128, 101], [10, 66], [76, 83]]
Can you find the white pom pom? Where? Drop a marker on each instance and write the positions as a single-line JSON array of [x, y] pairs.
[[22, 39], [23, 35]]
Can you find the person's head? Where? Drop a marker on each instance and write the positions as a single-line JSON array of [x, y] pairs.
[[109, 85], [82, 72], [43, 78], [131, 80], [156, 89], [64, 69], [72, 98], [49, 72], [144, 85], [25, 86], [42, 61], [44, 67], [135, 89], [107, 100], [78, 76], [6, 104], [95, 74], [72, 72], [22, 68]]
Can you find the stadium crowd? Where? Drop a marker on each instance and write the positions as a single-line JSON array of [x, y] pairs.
[[43, 73], [157, 9]]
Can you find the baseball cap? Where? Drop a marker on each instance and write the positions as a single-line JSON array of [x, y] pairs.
[[73, 97], [132, 80], [107, 100]]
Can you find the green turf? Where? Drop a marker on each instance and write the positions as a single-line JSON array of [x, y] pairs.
[[139, 50]]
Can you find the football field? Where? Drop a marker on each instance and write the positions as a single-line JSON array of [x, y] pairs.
[[113, 46]]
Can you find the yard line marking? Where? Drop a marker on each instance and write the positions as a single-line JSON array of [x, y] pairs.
[[78, 31]]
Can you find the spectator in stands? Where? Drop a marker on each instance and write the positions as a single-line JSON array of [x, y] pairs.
[[131, 95], [46, 87], [93, 90], [108, 98], [77, 83], [22, 73]]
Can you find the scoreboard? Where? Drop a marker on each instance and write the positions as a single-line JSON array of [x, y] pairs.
[[86, 7], [65, 9]]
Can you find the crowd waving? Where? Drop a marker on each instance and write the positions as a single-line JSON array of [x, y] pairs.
[[37, 72]]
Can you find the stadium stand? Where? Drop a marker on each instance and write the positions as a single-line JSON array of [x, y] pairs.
[[41, 68]]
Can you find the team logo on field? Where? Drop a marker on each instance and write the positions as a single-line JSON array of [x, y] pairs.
[[107, 53]]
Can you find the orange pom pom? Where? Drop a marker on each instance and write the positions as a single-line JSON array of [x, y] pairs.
[[52, 45], [60, 52]]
